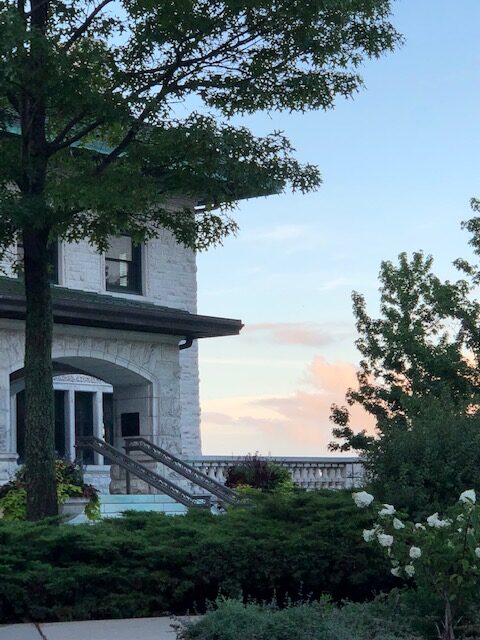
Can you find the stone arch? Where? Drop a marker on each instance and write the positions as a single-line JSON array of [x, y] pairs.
[[144, 372], [133, 398]]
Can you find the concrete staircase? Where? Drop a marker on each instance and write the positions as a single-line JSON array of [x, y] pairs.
[[113, 506]]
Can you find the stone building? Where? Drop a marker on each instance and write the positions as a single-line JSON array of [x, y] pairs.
[[124, 352]]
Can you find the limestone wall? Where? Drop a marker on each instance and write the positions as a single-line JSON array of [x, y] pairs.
[[169, 279]]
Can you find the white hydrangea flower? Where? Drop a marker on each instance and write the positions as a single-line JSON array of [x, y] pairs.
[[388, 510], [415, 553], [477, 552], [398, 524], [435, 521], [469, 496], [385, 540], [395, 572], [369, 535], [419, 525], [362, 499], [410, 570]]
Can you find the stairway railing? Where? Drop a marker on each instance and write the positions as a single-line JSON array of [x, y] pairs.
[[144, 473], [220, 491]]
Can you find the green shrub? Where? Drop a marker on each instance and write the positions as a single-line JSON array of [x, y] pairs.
[[296, 545], [258, 473], [233, 620], [13, 494]]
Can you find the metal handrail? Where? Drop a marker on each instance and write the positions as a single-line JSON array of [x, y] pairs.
[[144, 473], [136, 443]]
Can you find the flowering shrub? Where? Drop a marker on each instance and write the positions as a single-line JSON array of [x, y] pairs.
[[441, 555], [70, 484]]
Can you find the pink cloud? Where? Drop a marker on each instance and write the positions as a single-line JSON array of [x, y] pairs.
[[296, 424], [298, 333]]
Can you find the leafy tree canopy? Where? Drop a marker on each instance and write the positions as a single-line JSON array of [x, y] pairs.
[[94, 90]]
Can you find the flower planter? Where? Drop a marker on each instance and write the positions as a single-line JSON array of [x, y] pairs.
[[73, 507]]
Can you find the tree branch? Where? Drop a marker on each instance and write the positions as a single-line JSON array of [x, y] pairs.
[[68, 127], [79, 31], [54, 147]]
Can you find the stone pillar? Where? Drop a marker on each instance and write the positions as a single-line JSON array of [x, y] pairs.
[[70, 424], [98, 430]]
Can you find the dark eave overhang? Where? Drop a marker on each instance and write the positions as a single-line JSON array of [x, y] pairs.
[[103, 311]]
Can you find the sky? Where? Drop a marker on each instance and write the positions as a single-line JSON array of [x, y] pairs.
[[399, 164]]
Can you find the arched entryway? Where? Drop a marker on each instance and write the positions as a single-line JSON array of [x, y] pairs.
[[93, 397]]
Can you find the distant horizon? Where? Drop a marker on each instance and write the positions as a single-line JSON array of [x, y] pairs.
[[399, 168]]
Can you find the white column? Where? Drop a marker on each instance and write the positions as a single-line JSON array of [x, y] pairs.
[[98, 427], [70, 420], [12, 441]]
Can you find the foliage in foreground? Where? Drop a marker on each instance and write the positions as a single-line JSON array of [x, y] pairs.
[[441, 555], [70, 484], [296, 545], [233, 620]]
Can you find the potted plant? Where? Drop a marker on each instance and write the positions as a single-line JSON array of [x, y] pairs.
[[74, 495]]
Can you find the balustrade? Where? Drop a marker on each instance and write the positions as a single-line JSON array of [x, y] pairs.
[[307, 473]]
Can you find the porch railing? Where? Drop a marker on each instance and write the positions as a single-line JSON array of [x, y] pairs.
[[307, 473], [191, 473], [130, 465]]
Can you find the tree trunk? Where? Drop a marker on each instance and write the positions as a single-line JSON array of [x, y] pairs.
[[39, 409], [447, 631]]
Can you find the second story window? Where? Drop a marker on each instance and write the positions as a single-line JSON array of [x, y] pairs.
[[123, 265], [52, 260]]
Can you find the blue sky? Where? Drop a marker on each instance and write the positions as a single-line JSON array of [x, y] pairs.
[[399, 165]]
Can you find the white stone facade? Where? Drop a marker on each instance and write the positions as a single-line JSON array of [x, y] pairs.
[[146, 372]]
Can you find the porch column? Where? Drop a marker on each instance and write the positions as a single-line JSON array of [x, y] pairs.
[[70, 423], [98, 428], [8, 445]]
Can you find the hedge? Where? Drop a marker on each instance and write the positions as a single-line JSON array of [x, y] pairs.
[[294, 546]]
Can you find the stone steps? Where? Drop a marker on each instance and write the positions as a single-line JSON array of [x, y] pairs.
[[113, 506]]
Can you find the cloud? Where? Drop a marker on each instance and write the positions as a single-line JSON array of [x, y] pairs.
[[309, 334], [289, 425]]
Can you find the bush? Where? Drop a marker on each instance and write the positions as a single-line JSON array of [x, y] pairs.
[[294, 545], [425, 468], [233, 620], [258, 473], [70, 484]]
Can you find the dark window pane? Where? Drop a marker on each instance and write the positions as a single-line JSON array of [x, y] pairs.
[[130, 424], [84, 421], [60, 448], [21, 426], [123, 266]]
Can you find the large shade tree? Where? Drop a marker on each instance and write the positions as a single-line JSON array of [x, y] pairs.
[[90, 93]]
